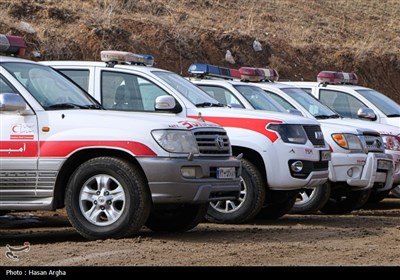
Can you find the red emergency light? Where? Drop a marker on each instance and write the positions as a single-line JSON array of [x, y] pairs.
[[270, 74], [250, 74], [332, 77], [12, 45]]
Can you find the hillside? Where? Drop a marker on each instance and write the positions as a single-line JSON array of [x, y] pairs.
[[299, 38]]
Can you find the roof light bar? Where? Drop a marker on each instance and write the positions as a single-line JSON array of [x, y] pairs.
[[12, 45], [270, 74], [204, 70], [250, 74], [332, 77], [116, 57], [258, 74], [235, 73], [247, 74]]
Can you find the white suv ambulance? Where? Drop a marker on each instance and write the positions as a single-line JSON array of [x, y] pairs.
[[339, 91], [282, 153], [113, 171], [357, 164]]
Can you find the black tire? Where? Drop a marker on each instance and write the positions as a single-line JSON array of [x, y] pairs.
[[4, 212], [376, 197], [311, 200], [277, 204], [251, 199], [396, 191], [123, 191], [343, 202], [176, 218]]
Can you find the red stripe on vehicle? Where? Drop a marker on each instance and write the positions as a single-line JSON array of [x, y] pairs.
[[11, 149], [257, 125], [64, 148]]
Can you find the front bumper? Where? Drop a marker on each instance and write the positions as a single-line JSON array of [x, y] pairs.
[[168, 185], [360, 171], [314, 173], [396, 161]]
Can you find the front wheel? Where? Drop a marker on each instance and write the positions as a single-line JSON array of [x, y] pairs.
[[343, 202], [376, 196], [396, 191], [4, 212], [176, 218], [311, 200], [277, 204], [249, 203], [107, 197]]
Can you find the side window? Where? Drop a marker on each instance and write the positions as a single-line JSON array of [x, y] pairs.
[[80, 77], [128, 92], [149, 92], [344, 104], [281, 100], [222, 95], [308, 90], [4, 87]]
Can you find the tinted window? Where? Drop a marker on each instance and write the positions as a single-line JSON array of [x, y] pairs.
[[221, 94], [344, 104], [128, 92], [80, 77]]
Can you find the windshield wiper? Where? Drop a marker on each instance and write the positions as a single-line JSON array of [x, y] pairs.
[[209, 104], [393, 115], [323, 117], [73, 106]]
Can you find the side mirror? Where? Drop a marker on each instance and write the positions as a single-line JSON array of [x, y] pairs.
[[294, 112], [10, 102], [167, 103], [366, 113]]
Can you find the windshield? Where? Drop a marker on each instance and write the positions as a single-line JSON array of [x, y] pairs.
[[311, 104], [49, 88], [259, 98], [186, 88], [388, 106]]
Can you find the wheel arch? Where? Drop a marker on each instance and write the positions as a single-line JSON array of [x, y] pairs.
[[254, 157], [76, 159]]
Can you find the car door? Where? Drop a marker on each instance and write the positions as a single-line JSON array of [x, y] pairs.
[[19, 151]]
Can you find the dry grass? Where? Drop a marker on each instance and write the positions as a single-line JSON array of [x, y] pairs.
[[299, 37]]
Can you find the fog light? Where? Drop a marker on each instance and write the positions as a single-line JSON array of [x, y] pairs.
[[350, 172], [296, 166], [188, 172]]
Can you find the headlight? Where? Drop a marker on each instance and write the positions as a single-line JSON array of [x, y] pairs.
[[290, 133], [391, 142], [176, 141], [348, 141]]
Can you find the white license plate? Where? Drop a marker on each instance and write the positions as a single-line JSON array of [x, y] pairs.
[[226, 172], [384, 164], [326, 155]]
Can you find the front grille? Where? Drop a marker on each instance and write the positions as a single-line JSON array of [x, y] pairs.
[[314, 133], [374, 143], [213, 142]]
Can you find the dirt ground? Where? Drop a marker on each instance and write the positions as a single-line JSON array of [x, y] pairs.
[[367, 237]]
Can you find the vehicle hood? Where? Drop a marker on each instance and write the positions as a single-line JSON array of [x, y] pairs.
[[244, 113]]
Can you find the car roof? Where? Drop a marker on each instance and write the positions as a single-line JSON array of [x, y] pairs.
[[101, 64], [314, 84], [235, 82], [14, 59]]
